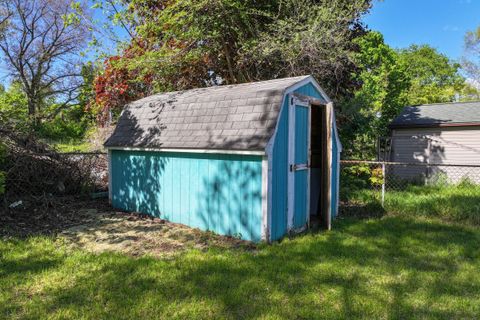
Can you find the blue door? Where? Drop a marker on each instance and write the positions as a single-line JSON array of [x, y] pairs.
[[299, 166]]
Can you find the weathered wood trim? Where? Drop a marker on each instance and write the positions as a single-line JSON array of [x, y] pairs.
[[329, 120], [265, 195], [209, 151], [310, 100], [305, 81], [309, 163]]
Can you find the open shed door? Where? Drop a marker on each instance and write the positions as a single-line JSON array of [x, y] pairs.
[[326, 194], [299, 164], [321, 164], [310, 149]]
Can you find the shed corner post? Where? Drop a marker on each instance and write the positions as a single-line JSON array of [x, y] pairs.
[[109, 168], [291, 157], [267, 195]]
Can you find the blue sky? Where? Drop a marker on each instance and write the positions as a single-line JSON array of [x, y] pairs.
[[439, 23]]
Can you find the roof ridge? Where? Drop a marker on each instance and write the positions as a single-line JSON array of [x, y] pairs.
[[215, 87], [443, 103]]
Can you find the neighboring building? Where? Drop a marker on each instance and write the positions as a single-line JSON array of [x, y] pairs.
[[446, 133], [253, 160]]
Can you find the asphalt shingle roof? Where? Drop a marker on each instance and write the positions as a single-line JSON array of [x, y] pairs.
[[438, 114], [232, 117]]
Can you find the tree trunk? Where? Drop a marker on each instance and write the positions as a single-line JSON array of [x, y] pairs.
[[32, 111]]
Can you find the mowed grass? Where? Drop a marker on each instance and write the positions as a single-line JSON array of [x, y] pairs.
[[387, 268]]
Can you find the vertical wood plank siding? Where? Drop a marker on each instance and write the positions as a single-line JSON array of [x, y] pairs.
[[220, 193], [301, 211], [280, 176]]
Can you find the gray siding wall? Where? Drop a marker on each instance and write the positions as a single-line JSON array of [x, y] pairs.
[[451, 145]]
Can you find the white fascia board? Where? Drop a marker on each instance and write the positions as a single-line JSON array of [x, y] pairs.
[[313, 81], [305, 81], [265, 200], [209, 151]]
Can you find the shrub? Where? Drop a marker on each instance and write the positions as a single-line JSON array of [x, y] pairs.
[[3, 151], [60, 129], [2, 183], [358, 177]]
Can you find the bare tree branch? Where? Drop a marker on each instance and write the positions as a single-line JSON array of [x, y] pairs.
[[40, 47]]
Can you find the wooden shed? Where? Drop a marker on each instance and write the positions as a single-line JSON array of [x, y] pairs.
[[255, 160]]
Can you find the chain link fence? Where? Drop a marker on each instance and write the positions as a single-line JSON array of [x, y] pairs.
[[371, 187], [55, 173], [91, 164]]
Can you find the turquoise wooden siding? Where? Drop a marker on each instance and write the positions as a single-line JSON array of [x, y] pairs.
[[310, 90], [300, 210], [301, 135], [220, 193], [280, 177]]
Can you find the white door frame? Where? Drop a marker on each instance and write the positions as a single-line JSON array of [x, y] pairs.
[[292, 103]]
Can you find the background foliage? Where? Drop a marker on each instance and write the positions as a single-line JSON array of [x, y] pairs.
[[182, 44]]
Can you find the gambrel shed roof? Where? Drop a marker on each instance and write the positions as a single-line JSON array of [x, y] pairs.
[[229, 117]]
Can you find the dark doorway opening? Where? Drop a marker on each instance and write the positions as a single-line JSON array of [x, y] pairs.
[[319, 167]]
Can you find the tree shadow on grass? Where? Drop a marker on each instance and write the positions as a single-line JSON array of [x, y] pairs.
[[380, 268]]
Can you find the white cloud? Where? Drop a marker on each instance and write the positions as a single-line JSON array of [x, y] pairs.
[[450, 28], [474, 83]]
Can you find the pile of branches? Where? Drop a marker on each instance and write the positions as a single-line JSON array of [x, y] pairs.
[[33, 169]]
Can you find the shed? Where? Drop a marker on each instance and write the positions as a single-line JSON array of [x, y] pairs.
[[255, 160], [442, 133]]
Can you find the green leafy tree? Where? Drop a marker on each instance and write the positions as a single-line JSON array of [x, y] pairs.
[[434, 78], [71, 124], [13, 106], [383, 85], [3, 153], [389, 80], [185, 43], [471, 64]]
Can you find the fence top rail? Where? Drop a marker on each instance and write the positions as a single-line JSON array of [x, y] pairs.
[[93, 153], [66, 154], [410, 163]]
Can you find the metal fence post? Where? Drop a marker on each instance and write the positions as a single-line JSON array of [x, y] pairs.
[[384, 178]]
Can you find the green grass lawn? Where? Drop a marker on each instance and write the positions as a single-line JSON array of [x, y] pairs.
[[73, 145], [392, 267], [458, 203]]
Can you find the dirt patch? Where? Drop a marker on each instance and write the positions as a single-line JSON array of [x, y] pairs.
[[95, 226], [46, 215], [137, 234]]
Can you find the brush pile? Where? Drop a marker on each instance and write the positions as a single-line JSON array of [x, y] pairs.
[[35, 170]]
